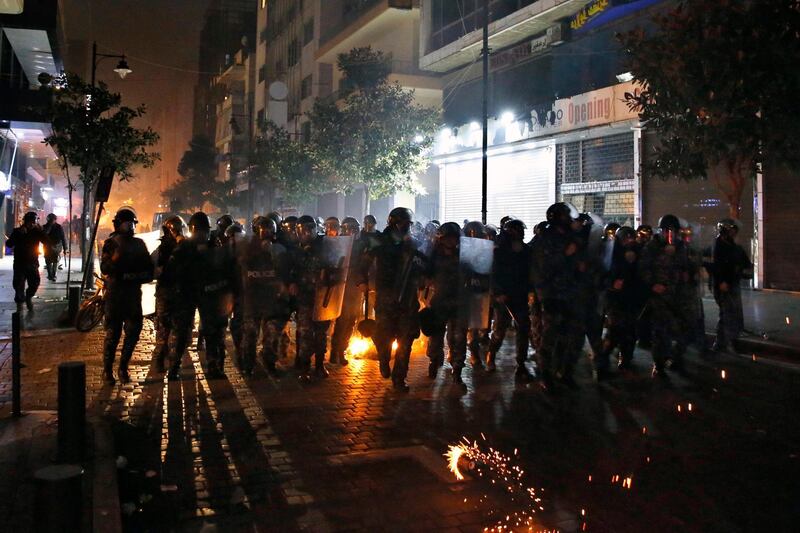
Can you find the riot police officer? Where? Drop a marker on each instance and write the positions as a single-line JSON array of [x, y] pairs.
[[664, 268], [446, 304], [624, 299], [730, 266], [233, 235], [370, 226], [126, 264], [554, 273], [510, 283], [218, 235], [173, 232], [205, 273], [25, 241], [306, 270], [263, 270], [344, 327], [399, 266], [477, 338]]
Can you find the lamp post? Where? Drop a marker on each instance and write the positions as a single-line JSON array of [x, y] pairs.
[[122, 70], [122, 67]]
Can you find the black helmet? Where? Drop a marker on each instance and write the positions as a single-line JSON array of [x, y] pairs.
[[174, 227], [540, 227], [369, 219], [669, 222], [399, 214], [30, 216], [264, 228], [199, 222], [288, 224], [726, 226], [125, 214], [52, 217], [644, 232], [274, 215], [610, 230], [491, 231], [475, 230], [449, 229], [561, 214], [224, 222], [350, 226], [306, 228], [517, 226], [332, 225], [590, 219], [234, 229], [624, 233]]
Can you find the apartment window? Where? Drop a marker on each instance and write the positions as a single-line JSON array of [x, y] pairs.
[[262, 73], [308, 32], [294, 53], [306, 87]]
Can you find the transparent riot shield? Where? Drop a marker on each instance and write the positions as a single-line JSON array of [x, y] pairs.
[[332, 277], [475, 258]]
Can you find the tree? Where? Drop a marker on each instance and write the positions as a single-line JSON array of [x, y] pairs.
[[719, 84], [93, 131], [376, 135], [281, 162], [198, 170]]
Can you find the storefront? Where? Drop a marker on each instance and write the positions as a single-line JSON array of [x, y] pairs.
[[583, 150]]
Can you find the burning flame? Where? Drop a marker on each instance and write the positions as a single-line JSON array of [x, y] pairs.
[[394, 346], [359, 346], [41, 249], [453, 454]]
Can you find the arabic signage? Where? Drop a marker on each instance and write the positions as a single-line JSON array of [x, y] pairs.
[[600, 12], [590, 10]]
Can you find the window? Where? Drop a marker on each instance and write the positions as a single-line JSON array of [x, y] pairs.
[[307, 86], [294, 53], [308, 31]]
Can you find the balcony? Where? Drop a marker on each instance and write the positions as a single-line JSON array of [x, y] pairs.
[[523, 24], [363, 20]]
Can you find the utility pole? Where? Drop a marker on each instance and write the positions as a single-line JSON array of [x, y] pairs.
[[485, 167]]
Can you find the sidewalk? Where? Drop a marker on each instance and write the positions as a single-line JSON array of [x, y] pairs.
[[49, 303], [771, 321]]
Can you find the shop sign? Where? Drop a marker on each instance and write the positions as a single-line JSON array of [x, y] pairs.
[[589, 11], [591, 187]]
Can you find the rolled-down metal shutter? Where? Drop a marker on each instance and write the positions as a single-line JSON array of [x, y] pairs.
[[520, 184]]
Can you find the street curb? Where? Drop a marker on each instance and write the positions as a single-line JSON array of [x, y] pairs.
[[106, 514], [758, 346]]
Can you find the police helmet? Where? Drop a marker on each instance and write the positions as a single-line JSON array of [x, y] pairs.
[[610, 230], [625, 233], [644, 232], [52, 217], [264, 227], [30, 216], [332, 225], [727, 226], [224, 222], [125, 214], [491, 231], [174, 227], [561, 213], [350, 226], [275, 216], [449, 229], [515, 226], [540, 227], [199, 222], [369, 219], [475, 230], [669, 222], [233, 230], [306, 228], [590, 219], [398, 216]]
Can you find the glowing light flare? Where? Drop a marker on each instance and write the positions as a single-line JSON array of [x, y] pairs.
[[453, 454], [723, 374], [359, 346], [41, 249], [788, 321], [394, 346]]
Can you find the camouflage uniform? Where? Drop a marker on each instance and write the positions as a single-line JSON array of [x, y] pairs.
[[126, 265], [263, 271], [554, 274], [312, 335], [396, 303], [205, 274], [446, 304], [166, 294], [666, 264]]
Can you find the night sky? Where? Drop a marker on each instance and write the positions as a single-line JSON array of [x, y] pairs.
[[161, 40]]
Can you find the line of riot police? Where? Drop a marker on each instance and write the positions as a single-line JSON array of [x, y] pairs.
[[464, 288]]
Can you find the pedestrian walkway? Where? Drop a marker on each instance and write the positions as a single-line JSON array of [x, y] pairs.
[[771, 319], [351, 454], [50, 302]]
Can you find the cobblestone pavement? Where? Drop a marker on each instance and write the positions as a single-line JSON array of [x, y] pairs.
[[711, 452]]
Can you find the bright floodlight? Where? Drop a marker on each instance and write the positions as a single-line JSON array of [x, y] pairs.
[[507, 118], [123, 69], [474, 126], [418, 138]]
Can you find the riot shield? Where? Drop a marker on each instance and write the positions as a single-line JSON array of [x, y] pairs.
[[335, 259], [475, 258], [151, 240]]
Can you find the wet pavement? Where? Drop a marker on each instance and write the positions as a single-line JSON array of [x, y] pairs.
[[709, 452]]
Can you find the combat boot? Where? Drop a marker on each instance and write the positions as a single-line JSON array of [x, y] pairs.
[[523, 374], [108, 373], [457, 379], [320, 371]]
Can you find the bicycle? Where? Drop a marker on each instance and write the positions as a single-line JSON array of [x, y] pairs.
[[92, 309]]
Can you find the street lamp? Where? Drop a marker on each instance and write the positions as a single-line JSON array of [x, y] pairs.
[[122, 67]]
